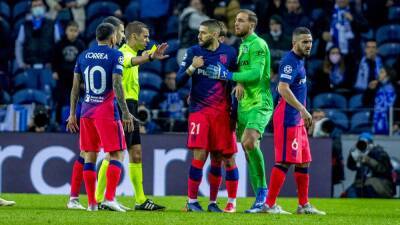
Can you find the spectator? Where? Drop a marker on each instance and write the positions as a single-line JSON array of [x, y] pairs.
[[333, 77], [264, 10], [346, 28], [375, 12], [381, 95], [369, 66], [65, 53], [278, 43], [226, 11], [294, 17], [41, 121], [69, 10], [373, 170], [189, 23], [324, 127], [34, 45], [171, 106]]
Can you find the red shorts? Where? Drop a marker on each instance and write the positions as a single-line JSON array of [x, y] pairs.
[[96, 133], [211, 131], [291, 144]]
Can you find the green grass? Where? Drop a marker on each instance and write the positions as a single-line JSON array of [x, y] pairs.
[[50, 209]]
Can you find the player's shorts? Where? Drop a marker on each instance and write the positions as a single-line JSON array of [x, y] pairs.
[[255, 118], [133, 138], [291, 144], [211, 131], [96, 133]]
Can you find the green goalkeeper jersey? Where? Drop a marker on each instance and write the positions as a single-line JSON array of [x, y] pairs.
[[254, 73]]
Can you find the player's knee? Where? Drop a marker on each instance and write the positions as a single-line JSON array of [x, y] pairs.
[[229, 162], [117, 155], [303, 165], [200, 154], [90, 157]]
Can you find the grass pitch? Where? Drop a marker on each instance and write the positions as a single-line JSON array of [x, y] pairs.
[[51, 209]]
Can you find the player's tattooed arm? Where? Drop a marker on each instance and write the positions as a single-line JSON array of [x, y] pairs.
[[127, 117], [72, 124]]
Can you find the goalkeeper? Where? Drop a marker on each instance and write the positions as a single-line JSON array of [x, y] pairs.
[[255, 99]]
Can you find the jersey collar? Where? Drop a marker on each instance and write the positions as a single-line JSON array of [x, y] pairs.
[[251, 37]]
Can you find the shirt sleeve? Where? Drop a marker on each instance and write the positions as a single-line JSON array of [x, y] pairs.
[[118, 63], [287, 71], [127, 59], [182, 77]]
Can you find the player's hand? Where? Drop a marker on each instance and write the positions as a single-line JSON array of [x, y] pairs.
[[72, 124], [197, 61], [238, 91], [127, 120], [306, 116], [218, 72], [159, 53]]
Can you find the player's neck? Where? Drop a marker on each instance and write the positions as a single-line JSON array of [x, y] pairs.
[[100, 43], [297, 53], [247, 35], [213, 46]]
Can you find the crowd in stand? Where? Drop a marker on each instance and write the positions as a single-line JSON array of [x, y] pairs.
[[352, 72]]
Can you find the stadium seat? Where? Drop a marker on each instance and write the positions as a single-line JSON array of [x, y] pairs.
[[172, 27], [132, 11], [360, 122], [29, 96], [97, 9], [394, 14], [151, 81], [21, 80], [388, 33], [339, 118], [329, 100], [5, 11], [17, 24], [173, 46], [146, 96], [355, 102], [389, 50], [20, 10], [91, 28], [154, 66]]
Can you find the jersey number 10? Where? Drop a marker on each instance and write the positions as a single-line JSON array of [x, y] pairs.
[[89, 80]]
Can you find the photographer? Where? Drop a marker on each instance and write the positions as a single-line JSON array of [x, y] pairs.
[[146, 124], [374, 170], [41, 121]]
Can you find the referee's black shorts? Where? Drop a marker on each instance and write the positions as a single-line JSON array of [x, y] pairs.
[[133, 138]]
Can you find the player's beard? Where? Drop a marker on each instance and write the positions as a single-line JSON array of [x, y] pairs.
[[207, 43]]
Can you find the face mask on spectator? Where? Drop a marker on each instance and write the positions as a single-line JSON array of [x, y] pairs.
[[276, 33], [38, 11], [334, 58]]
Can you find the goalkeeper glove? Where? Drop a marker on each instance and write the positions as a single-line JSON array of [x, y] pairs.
[[218, 72]]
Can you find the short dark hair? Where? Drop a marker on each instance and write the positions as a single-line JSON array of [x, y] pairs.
[[72, 23], [301, 30], [104, 31], [370, 40], [224, 29], [252, 15], [135, 27], [212, 25], [113, 20]]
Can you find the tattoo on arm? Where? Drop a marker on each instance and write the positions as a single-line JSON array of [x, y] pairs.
[[75, 92], [119, 93]]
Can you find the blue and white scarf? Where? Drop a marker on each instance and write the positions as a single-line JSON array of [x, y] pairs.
[[341, 29], [384, 99], [363, 73]]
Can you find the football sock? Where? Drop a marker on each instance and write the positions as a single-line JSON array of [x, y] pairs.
[[302, 181], [101, 181], [77, 177], [278, 176], [195, 176], [257, 169], [231, 181], [215, 179], [113, 176], [89, 177], [136, 175]]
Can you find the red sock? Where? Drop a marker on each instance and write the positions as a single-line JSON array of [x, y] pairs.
[[77, 176], [302, 181], [215, 179], [232, 181], [278, 176], [195, 176], [113, 175], [89, 176]]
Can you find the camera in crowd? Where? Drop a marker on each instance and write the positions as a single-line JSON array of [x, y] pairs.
[[362, 147], [144, 114], [323, 128]]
